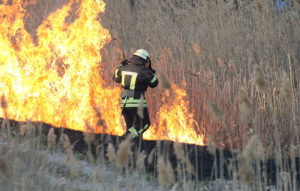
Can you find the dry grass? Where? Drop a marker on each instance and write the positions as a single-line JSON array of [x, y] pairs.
[[240, 59], [238, 62], [166, 175], [27, 164], [217, 51]]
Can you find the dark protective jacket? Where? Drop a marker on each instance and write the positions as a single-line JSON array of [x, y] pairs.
[[135, 78]]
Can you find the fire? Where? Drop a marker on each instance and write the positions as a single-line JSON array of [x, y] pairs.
[[56, 79], [176, 123]]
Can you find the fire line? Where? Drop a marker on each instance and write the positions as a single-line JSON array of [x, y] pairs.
[[57, 81]]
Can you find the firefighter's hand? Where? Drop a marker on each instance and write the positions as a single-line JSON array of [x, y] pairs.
[[124, 62]]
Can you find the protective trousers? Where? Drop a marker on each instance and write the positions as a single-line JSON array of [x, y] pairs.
[[136, 125]]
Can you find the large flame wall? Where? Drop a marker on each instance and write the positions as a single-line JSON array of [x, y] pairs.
[[57, 81]]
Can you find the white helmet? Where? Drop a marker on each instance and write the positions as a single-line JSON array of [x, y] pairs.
[[142, 53]]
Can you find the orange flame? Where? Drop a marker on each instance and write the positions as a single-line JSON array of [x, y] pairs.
[[57, 80], [176, 123]]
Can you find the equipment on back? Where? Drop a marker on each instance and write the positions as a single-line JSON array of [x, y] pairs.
[[124, 62]]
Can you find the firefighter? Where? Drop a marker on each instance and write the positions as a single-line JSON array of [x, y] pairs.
[[135, 75]]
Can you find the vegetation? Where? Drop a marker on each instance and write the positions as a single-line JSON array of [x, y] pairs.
[[243, 57], [238, 61]]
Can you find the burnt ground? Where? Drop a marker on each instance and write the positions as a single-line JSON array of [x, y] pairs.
[[207, 166], [197, 154]]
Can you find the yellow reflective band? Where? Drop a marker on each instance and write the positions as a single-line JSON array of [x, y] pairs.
[[123, 80], [133, 76], [134, 132], [144, 129], [146, 126], [153, 79], [129, 73], [132, 101], [116, 73], [132, 82], [135, 105]]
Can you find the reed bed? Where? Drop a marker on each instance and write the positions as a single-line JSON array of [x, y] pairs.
[[239, 63], [241, 56]]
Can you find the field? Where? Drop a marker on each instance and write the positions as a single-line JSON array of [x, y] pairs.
[[245, 61], [238, 63]]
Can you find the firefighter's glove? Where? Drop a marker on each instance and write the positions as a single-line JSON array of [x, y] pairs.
[[124, 62]]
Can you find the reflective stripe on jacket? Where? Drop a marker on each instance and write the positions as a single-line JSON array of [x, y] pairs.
[[131, 102], [135, 76]]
